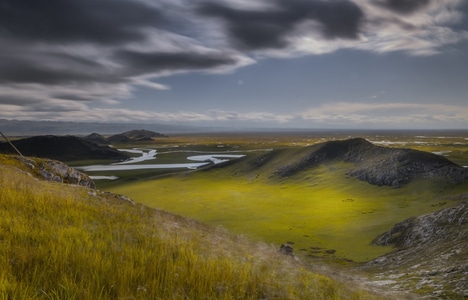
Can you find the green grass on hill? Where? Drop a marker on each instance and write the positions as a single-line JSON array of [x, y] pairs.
[[63, 242], [323, 212]]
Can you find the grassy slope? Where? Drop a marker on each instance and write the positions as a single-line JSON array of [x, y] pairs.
[[63, 242], [320, 208]]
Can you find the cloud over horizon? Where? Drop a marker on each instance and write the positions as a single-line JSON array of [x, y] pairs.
[[76, 56]]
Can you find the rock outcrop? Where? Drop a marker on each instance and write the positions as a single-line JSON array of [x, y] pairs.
[[52, 170], [396, 167], [431, 228], [430, 257]]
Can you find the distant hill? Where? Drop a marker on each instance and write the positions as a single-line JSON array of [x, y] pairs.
[[63, 148], [96, 138], [374, 164], [125, 137], [134, 135]]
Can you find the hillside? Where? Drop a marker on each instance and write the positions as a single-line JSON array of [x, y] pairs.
[[63, 148], [431, 255], [70, 242], [375, 164]]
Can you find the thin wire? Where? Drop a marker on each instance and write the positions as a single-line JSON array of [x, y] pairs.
[[11, 144]]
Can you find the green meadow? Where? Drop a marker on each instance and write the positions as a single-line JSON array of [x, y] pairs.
[[321, 213], [330, 217]]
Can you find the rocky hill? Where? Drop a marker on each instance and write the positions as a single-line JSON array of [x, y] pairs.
[[368, 162], [63, 148], [431, 255]]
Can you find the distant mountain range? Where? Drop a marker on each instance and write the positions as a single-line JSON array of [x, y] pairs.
[[31, 128]]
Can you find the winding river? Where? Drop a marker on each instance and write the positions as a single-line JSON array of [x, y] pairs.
[[199, 161]]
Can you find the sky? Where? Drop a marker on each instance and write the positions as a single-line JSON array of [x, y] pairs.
[[351, 64]]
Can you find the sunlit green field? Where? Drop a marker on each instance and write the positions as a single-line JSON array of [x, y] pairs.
[[331, 214], [323, 213]]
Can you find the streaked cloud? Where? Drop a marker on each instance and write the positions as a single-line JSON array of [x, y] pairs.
[[403, 6], [351, 115], [387, 114], [66, 21]]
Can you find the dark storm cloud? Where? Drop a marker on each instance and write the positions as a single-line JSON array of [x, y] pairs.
[[102, 21], [143, 62], [36, 73], [81, 42], [256, 29], [15, 100], [50, 68], [253, 29], [404, 6], [72, 97], [340, 19], [56, 69]]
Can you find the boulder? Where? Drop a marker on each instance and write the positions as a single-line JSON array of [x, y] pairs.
[[286, 249], [52, 170]]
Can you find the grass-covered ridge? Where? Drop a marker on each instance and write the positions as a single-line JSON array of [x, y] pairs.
[[68, 242]]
